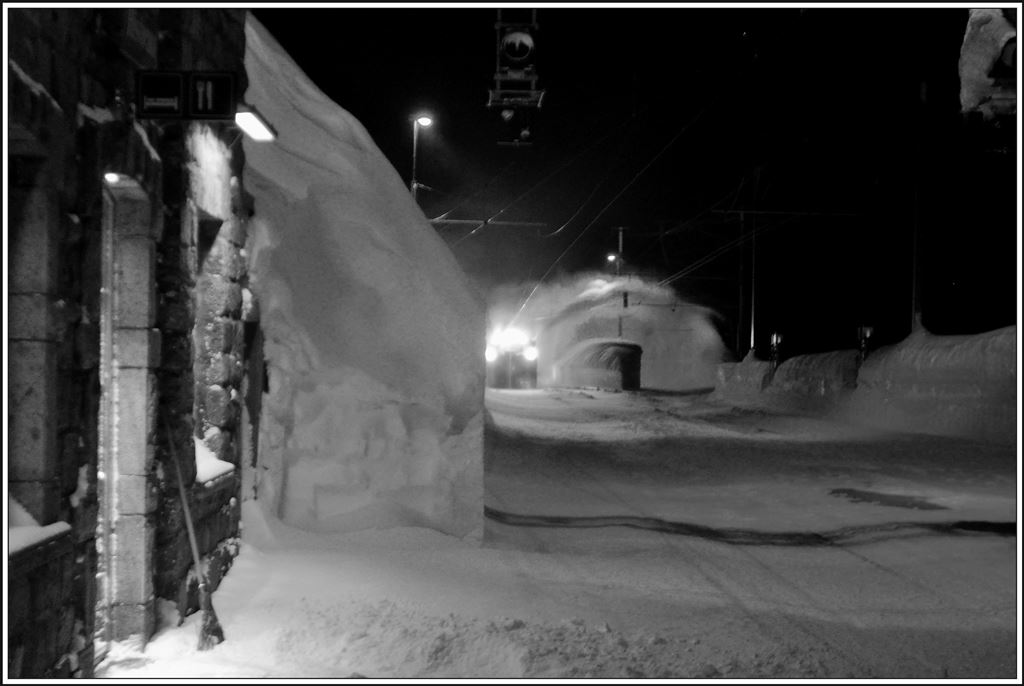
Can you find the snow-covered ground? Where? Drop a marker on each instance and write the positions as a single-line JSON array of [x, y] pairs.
[[887, 597], [631, 535]]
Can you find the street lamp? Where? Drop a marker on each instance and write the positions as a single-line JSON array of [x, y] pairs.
[[418, 121]]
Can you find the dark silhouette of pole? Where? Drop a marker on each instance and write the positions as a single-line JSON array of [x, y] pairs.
[[618, 268]]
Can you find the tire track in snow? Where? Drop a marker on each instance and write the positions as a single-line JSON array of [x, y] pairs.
[[840, 539], [774, 632], [851, 535]]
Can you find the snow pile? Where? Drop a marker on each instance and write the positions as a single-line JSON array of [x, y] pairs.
[[374, 339], [23, 531], [681, 349], [987, 36], [741, 381], [817, 379], [946, 385]]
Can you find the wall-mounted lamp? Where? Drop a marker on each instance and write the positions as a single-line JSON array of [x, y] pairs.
[[111, 177], [254, 124]]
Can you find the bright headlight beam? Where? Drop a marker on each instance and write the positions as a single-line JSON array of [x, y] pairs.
[[491, 353], [530, 353], [510, 339]]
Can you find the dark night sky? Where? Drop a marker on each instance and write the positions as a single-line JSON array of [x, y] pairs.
[[844, 114]]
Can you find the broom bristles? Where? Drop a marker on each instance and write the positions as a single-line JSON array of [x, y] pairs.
[[210, 631]]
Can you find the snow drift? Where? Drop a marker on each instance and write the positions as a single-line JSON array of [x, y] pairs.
[[374, 337], [942, 385], [945, 385], [680, 347]]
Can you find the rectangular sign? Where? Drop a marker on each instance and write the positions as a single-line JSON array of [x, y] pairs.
[[159, 94], [211, 95], [185, 95]]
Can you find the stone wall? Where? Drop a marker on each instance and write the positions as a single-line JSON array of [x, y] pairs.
[[46, 636], [71, 79], [58, 77], [201, 277]]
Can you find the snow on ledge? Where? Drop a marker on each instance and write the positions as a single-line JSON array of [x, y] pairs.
[[23, 531], [208, 466], [100, 115], [21, 537], [33, 85]]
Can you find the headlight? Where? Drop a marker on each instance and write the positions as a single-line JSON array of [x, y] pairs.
[[491, 353], [530, 353], [509, 339]]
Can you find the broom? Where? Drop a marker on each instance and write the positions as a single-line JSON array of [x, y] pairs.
[[210, 632]]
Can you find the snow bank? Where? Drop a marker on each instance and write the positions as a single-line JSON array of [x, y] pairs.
[[820, 379], [945, 385], [374, 338], [681, 348], [986, 36], [741, 381]]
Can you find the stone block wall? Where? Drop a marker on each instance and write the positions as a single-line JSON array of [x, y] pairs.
[[201, 273], [55, 72], [46, 636], [71, 79]]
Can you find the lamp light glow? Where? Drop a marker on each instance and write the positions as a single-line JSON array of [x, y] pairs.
[[253, 124], [111, 177], [424, 120]]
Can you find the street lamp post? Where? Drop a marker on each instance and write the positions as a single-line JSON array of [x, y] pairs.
[[417, 122]]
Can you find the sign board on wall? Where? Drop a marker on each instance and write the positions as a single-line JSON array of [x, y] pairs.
[[185, 95]]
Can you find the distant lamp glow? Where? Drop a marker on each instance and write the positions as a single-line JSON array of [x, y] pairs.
[[424, 120], [253, 124], [111, 177], [530, 353], [612, 257], [491, 354]]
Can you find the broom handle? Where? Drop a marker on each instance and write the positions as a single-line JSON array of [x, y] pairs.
[[188, 514]]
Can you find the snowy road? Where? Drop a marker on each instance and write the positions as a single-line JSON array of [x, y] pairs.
[[903, 594], [888, 599]]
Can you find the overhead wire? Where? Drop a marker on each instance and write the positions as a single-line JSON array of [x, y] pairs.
[[479, 190], [570, 161], [604, 209], [722, 249], [698, 215]]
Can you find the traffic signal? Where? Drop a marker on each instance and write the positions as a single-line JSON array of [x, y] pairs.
[[515, 95]]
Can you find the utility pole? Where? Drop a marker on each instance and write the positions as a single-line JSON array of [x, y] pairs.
[[618, 268], [753, 273], [742, 213]]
